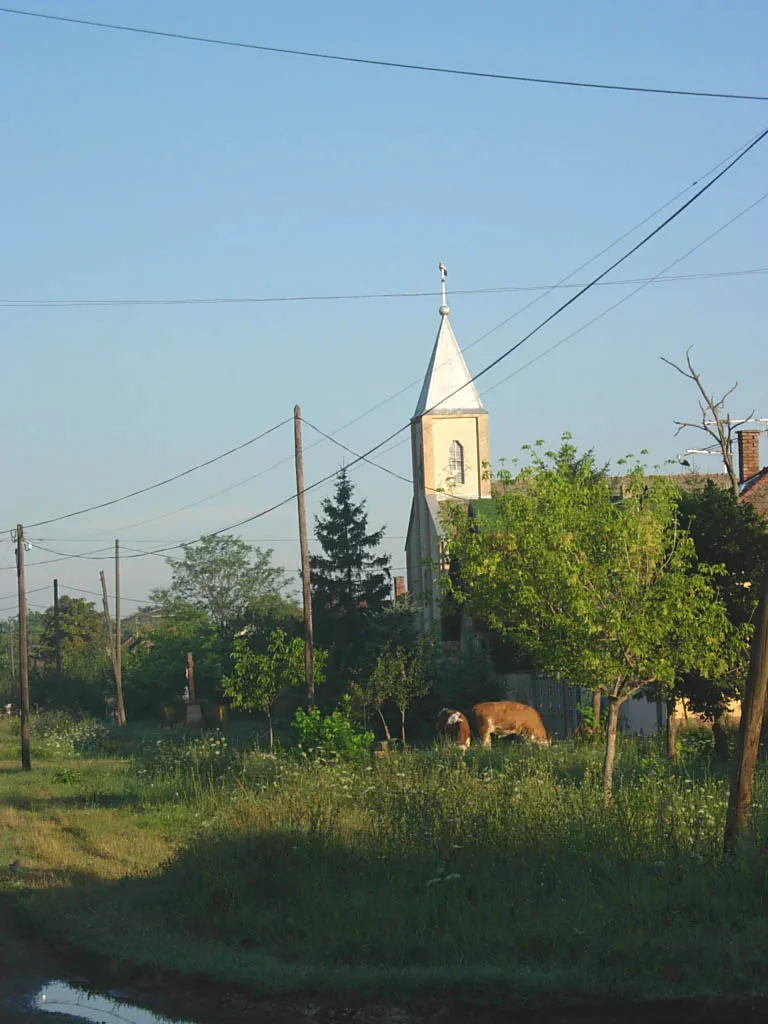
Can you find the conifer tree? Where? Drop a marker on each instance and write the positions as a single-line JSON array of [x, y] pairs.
[[351, 582]]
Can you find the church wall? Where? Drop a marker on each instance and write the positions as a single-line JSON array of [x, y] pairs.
[[465, 430]]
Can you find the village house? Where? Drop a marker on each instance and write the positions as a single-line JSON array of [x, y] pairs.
[[451, 458]]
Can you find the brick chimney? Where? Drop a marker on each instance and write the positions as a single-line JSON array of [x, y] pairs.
[[749, 454], [399, 582]]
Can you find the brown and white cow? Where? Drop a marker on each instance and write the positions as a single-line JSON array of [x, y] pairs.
[[452, 725], [508, 718]]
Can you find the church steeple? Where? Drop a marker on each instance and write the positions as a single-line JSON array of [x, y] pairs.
[[449, 445], [448, 386]]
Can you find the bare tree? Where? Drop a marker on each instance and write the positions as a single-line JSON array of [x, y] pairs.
[[714, 420]]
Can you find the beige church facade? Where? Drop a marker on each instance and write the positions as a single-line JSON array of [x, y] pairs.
[[451, 460], [450, 453]]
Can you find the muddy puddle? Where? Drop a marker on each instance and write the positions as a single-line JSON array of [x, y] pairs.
[[59, 997]]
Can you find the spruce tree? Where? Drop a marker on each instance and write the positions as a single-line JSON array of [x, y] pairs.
[[350, 582]]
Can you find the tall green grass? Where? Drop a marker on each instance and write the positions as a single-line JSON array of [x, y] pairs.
[[423, 869]]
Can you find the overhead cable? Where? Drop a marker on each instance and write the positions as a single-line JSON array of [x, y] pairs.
[[399, 65], [497, 290], [161, 483]]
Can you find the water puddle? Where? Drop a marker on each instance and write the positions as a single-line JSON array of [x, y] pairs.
[[58, 997]]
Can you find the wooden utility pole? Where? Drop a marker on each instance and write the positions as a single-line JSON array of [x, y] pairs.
[[191, 676], [26, 760], [113, 657], [13, 658], [118, 640], [306, 591], [57, 637], [752, 709]]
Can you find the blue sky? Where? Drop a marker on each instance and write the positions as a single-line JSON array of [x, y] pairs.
[[145, 168]]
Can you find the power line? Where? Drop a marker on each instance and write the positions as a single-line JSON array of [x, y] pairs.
[[370, 462], [560, 309], [400, 65], [624, 298], [513, 348], [161, 483], [97, 593], [497, 290], [562, 283]]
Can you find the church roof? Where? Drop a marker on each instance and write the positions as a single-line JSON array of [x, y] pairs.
[[448, 384]]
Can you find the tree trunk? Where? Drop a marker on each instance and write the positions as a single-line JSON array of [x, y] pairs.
[[671, 729], [597, 700], [610, 748], [752, 708], [402, 727], [271, 736], [720, 735], [386, 727]]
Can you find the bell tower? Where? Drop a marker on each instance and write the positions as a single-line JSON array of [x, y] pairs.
[[450, 454]]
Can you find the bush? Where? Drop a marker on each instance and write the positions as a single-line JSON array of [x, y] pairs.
[[335, 736], [59, 734], [188, 762]]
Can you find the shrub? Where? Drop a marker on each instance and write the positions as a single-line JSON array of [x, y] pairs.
[[59, 734], [334, 736]]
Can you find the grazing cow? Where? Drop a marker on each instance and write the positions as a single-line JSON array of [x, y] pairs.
[[508, 718], [452, 725]]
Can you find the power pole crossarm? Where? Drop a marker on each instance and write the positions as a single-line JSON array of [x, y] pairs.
[[306, 591]]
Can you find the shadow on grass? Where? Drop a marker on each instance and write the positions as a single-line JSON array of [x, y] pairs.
[[72, 801], [308, 913]]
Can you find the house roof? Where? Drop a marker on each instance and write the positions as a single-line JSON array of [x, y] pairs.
[[448, 386], [755, 491]]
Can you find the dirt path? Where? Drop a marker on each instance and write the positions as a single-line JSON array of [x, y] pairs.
[[25, 965]]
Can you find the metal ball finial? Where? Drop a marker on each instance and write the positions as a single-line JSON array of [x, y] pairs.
[[445, 310]]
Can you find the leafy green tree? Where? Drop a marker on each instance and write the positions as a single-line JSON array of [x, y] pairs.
[[400, 676], [415, 678], [222, 575], [731, 534], [257, 679], [603, 589], [351, 583], [155, 657], [85, 662]]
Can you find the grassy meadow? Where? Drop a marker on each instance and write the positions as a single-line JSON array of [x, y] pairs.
[[412, 872]]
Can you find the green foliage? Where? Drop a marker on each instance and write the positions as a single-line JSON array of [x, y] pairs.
[[602, 588], [599, 583], [190, 763], [56, 734], [383, 874], [590, 727], [222, 575], [155, 659], [335, 736], [257, 679], [730, 534], [463, 680], [351, 584]]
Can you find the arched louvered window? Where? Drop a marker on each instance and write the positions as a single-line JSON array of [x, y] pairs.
[[456, 462]]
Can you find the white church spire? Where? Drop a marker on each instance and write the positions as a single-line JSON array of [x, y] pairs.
[[448, 384]]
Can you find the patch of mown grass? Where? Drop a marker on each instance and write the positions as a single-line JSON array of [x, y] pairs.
[[411, 872]]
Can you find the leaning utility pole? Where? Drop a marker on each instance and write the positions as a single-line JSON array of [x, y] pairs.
[[306, 591], [26, 761], [57, 636], [105, 598], [118, 640], [191, 676], [752, 710]]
